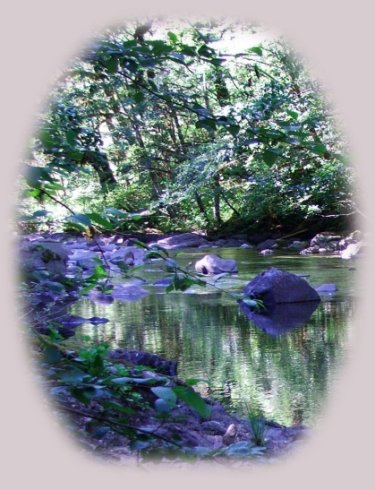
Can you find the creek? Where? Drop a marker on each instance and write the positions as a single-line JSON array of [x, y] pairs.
[[286, 377]]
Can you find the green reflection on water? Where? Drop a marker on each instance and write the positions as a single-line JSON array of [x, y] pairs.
[[287, 377]]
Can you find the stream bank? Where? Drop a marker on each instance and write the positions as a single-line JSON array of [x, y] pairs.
[[194, 431]]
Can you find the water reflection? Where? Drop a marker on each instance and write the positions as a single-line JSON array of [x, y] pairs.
[[281, 318], [286, 376]]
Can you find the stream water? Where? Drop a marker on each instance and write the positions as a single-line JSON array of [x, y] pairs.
[[287, 377]]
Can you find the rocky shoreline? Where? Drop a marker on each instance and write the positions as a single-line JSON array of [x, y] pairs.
[[182, 433]]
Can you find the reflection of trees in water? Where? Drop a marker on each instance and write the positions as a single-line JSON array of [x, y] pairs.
[[287, 377]]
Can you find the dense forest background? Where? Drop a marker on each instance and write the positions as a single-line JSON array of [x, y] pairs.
[[161, 126]]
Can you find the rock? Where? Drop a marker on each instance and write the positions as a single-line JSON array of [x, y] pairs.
[[354, 237], [139, 358], [297, 245], [266, 244], [95, 320], [323, 243], [326, 288], [266, 251], [127, 255], [71, 321], [228, 242], [275, 286], [213, 426], [163, 282], [230, 435], [44, 254], [322, 240], [246, 245], [182, 241], [100, 297], [130, 291], [351, 251], [213, 264]]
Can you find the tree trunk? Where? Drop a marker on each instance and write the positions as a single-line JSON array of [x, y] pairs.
[[99, 161], [201, 207], [217, 193]]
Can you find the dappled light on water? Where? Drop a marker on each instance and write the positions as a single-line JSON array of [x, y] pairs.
[[286, 375]]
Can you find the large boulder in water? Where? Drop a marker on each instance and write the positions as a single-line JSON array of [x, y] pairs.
[[182, 241], [213, 264], [275, 286]]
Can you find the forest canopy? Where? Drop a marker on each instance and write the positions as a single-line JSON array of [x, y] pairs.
[[169, 126]]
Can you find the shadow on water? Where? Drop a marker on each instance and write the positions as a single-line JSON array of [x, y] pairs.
[[285, 376]]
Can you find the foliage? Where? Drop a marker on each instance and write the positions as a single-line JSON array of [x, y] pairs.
[[177, 129], [257, 428]]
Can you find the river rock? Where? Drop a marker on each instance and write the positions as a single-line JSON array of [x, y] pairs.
[[297, 245], [139, 358], [127, 255], [326, 288], [228, 242], [130, 291], [325, 240], [351, 251], [266, 244], [183, 240], [266, 251], [213, 264], [275, 286], [71, 321], [44, 254], [96, 320]]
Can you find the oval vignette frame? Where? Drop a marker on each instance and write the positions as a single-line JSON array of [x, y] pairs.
[[35, 426]]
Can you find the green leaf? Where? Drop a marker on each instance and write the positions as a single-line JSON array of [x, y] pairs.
[[40, 213], [292, 114], [207, 123], [270, 156], [117, 407], [116, 212], [101, 220], [153, 255], [47, 138], [82, 219], [160, 47], [35, 176], [165, 393], [51, 354], [193, 399], [257, 50], [195, 381], [85, 394], [233, 129], [70, 136], [112, 65], [73, 376], [138, 97], [172, 37], [319, 149]]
